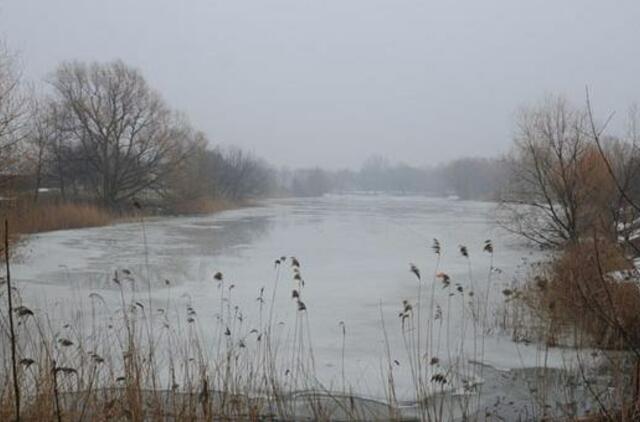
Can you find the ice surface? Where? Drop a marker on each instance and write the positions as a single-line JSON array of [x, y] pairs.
[[354, 251]]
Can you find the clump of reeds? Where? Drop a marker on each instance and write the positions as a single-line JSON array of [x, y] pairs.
[[200, 206], [35, 218], [590, 287], [585, 296], [434, 338], [144, 360]]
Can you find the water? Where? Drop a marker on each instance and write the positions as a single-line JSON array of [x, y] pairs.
[[355, 253]]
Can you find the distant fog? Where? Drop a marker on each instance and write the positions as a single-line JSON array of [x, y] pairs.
[[330, 83]]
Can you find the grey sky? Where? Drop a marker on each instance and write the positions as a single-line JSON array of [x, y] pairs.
[[329, 82]]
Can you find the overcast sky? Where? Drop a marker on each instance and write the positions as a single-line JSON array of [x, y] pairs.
[[330, 82]]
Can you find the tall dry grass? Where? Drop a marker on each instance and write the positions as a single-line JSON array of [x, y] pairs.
[[142, 358], [443, 355], [586, 296], [24, 218], [588, 286], [201, 206], [28, 218]]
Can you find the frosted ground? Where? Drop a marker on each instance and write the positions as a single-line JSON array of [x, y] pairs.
[[354, 251]]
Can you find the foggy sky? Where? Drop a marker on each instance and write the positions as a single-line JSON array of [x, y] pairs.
[[330, 82]]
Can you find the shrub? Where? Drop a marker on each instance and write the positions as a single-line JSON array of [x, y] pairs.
[[584, 288]]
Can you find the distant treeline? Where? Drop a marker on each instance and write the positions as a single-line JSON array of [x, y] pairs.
[[100, 134], [467, 178]]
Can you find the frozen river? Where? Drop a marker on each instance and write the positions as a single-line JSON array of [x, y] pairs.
[[355, 253]]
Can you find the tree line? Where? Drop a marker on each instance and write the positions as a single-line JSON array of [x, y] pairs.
[[474, 178], [102, 133], [564, 177]]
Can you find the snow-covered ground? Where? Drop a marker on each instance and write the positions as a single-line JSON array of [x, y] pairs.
[[354, 252]]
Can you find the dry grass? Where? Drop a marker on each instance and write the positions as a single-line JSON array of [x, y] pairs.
[[201, 206], [42, 218], [26, 217], [145, 360], [141, 359], [577, 290], [141, 362]]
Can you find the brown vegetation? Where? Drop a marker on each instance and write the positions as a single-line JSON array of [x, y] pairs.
[[25, 217], [575, 191], [584, 288], [142, 364], [201, 205], [29, 218], [560, 188]]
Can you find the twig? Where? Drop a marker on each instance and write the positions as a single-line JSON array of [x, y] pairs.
[[14, 364]]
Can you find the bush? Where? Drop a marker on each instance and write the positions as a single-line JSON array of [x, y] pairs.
[[584, 288]]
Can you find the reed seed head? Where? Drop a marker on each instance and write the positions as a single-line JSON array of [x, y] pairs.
[[446, 280], [415, 270], [23, 311], [436, 246], [464, 251], [26, 362]]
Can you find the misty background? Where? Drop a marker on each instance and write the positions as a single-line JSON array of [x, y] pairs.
[[384, 149], [332, 83]]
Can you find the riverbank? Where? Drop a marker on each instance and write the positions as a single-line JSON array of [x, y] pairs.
[[28, 218], [520, 394]]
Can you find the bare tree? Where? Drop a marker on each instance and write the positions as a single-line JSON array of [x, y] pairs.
[[558, 187], [310, 182], [13, 112], [38, 140], [42, 138], [622, 161], [197, 176], [241, 175], [127, 139]]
